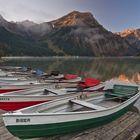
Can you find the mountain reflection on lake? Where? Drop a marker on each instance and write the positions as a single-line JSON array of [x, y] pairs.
[[125, 69]]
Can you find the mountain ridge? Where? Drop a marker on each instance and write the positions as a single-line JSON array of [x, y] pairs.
[[77, 33]]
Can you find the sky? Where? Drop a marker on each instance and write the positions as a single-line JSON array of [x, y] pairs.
[[114, 15]]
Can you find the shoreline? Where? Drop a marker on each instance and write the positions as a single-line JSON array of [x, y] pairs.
[[66, 57]]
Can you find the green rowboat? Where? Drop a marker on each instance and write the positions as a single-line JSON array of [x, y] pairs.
[[71, 114]]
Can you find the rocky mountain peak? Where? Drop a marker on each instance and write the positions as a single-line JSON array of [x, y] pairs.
[[76, 18], [128, 32], [80, 15], [132, 36]]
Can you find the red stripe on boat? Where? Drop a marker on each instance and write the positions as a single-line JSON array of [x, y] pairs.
[[11, 106], [8, 90]]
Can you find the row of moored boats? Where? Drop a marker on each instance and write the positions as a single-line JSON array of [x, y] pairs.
[[39, 104]]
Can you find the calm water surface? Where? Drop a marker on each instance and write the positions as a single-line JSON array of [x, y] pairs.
[[126, 69]]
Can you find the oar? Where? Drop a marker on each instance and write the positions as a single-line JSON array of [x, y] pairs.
[[59, 82], [72, 91], [56, 81], [83, 90], [71, 87], [50, 91]]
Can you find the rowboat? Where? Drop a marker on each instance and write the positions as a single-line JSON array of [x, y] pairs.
[[19, 72], [15, 79], [11, 88], [11, 70], [26, 80], [12, 78], [61, 80], [71, 114], [43, 78], [18, 82], [16, 85], [19, 99]]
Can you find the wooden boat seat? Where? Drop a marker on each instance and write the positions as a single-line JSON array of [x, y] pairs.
[[122, 90], [88, 105]]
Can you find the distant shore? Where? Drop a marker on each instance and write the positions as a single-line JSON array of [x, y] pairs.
[[64, 57]]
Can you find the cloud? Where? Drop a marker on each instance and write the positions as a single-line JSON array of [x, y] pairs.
[[38, 10], [31, 13], [2, 13], [18, 10]]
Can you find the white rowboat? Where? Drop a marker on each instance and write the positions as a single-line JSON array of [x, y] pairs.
[[71, 114]]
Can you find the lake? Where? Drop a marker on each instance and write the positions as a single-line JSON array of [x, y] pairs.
[[126, 69]]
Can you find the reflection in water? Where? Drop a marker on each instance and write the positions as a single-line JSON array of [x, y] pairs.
[[127, 69], [134, 78]]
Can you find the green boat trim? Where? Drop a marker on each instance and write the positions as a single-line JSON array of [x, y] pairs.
[[44, 130]]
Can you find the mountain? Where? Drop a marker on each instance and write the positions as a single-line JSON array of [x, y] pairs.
[[80, 34], [12, 44], [76, 33], [132, 36], [75, 18]]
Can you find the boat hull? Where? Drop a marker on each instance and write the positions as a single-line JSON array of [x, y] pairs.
[[13, 88], [9, 90], [44, 130]]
